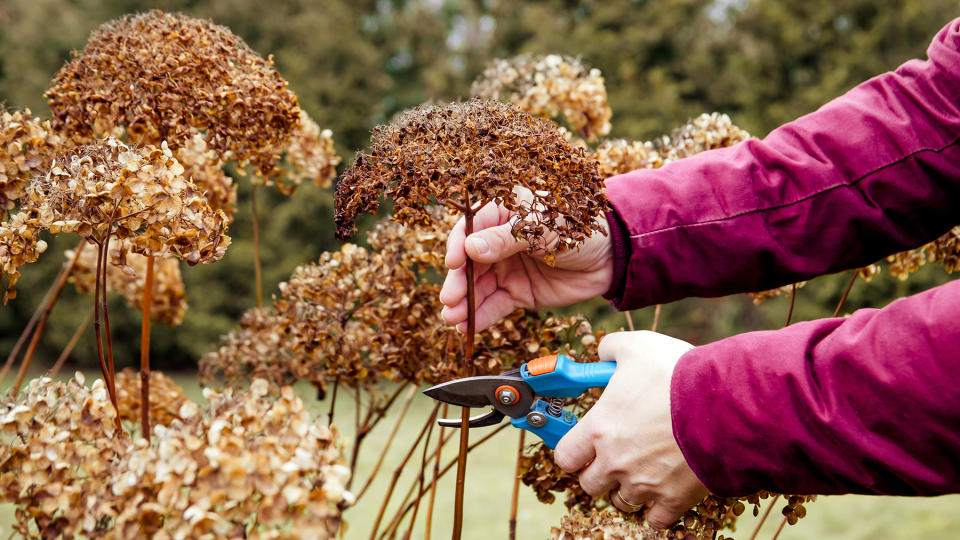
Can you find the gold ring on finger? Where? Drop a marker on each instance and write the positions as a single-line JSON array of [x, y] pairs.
[[632, 506]]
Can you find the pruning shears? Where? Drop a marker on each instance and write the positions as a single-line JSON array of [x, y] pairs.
[[514, 393]]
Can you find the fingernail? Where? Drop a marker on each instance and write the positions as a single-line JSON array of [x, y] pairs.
[[480, 245]]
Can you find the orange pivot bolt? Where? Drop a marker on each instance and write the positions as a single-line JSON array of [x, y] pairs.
[[507, 395]]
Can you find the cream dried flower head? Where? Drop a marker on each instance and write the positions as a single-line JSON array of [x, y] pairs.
[[551, 86], [27, 145], [246, 465]]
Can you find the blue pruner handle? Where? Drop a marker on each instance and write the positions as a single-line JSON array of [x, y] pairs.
[[544, 425], [559, 376]]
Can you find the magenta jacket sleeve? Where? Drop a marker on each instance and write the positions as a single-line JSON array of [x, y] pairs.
[[865, 404], [873, 172]]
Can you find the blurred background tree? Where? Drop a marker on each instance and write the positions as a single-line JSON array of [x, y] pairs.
[[355, 63]]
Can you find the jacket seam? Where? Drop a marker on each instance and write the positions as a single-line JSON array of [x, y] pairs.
[[850, 184]]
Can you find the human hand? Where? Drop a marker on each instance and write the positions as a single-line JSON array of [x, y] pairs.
[[508, 277], [624, 444]]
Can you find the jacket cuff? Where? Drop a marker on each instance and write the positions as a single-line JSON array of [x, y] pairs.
[[622, 252]]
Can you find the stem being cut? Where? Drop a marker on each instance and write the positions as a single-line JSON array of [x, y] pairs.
[[465, 413]]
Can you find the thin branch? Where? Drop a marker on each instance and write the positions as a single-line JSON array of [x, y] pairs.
[[630, 326], [70, 345], [780, 528], [333, 400], [512, 525], [793, 302], [106, 321], [443, 471], [420, 477], [42, 323], [766, 513], [36, 316], [436, 474], [145, 351], [843, 298], [656, 317], [386, 447], [399, 470]]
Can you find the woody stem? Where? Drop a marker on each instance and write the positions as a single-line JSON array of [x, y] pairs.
[[145, 351]]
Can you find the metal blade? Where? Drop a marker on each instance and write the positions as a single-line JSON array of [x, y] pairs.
[[488, 418], [478, 392]]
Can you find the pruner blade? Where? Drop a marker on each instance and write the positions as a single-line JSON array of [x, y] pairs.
[[488, 418], [509, 396]]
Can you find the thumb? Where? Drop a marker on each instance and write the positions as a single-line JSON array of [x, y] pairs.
[[575, 449], [493, 244]]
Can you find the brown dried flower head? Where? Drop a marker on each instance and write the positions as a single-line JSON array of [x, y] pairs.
[[249, 466], [946, 250], [27, 145], [462, 155], [162, 76], [361, 316], [126, 274], [551, 86]]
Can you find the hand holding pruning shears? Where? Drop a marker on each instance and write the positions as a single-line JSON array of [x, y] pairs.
[[624, 445]]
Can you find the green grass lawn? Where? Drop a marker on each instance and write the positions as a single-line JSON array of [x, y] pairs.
[[489, 483]]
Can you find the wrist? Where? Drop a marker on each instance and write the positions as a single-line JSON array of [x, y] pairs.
[[620, 253]]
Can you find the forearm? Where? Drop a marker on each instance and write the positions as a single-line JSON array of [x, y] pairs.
[[866, 404], [873, 172]]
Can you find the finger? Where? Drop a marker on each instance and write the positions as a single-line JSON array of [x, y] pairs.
[[596, 479], [454, 287], [493, 244], [575, 449], [493, 308], [456, 313], [456, 256], [622, 498], [662, 516]]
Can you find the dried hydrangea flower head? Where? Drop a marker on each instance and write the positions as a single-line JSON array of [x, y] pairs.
[[462, 155], [946, 250], [259, 348], [619, 156], [204, 167], [137, 195], [163, 76], [551, 86], [166, 398], [706, 132], [140, 194], [126, 274], [251, 465], [27, 145], [310, 155]]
